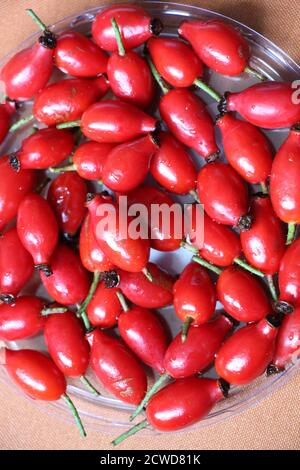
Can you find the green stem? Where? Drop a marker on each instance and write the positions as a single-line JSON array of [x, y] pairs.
[[189, 247], [256, 74], [21, 123], [207, 265], [130, 432], [62, 168], [64, 125], [272, 287], [89, 386], [36, 19], [147, 274], [185, 328], [194, 193], [148, 395], [123, 302], [164, 87], [264, 188], [210, 91], [50, 311], [86, 321], [247, 266], [88, 298], [74, 413], [121, 48], [291, 233]]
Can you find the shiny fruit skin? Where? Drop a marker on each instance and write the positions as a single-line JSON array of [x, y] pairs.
[[66, 100], [284, 180], [246, 354], [37, 228], [14, 185], [288, 340], [67, 196], [268, 104], [143, 332], [223, 193], [194, 294], [289, 275], [16, 265], [172, 167], [21, 319], [246, 148], [264, 243], [45, 148], [27, 72], [69, 284], [219, 45], [92, 257], [117, 368], [182, 403], [175, 61], [242, 295], [89, 158], [198, 351], [35, 373], [140, 291], [113, 121], [220, 245], [7, 110], [126, 253], [104, 308], [127, 165], [134, 24], [130, 79], [77, 55], [66, 343], [188, 119]]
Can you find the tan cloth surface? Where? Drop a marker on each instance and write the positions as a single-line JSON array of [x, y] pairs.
[[274, 423]]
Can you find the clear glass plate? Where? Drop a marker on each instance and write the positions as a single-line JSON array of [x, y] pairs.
[[107, 413]]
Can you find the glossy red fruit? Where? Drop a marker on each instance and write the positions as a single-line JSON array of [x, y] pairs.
[[44, 148], [113, 121], [172, 167], [143, 332], [175, 61], [267, 104], [13, 188], [89, 158], [91, 255], [162, 238], [183, 403], [188, 119], [127, 165], [224, 195], [284, 180], [66, 100], [246, 354], [289, 275], [7, 110], [246, 148], [67, 196], [77, 55], [194, 295], [219, 245], [219, 45], [37, 229], [198, 351], [117, 368], [66, 343], [69, 284], [140, 291], [16, 264], [21, 319], [264, 243], [242, 295], [126, 253], [134, 22], [104, 308], [287, 349], [35, 373]]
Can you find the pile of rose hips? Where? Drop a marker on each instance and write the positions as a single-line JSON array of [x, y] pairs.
[[124, 145]]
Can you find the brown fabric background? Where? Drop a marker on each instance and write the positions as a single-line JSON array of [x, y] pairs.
[[274, 423]]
